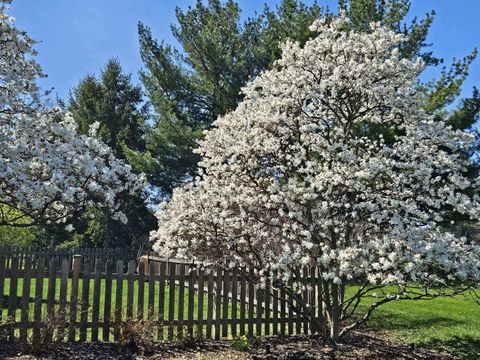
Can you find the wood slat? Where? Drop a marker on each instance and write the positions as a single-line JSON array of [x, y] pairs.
[[243, 300], [76, 264], [118, 300], [251, 302], [107, 302], [141, 290], [96, 299], [234, 288], [85, 300], [62, 300], [218, 303], [191, 295], [13, 296], [201, 284], [25, 300], [130, 289], [52, 284], [225, 302], [181, 300], [161, 300], [37, 311], [209, 305], [171, 299]]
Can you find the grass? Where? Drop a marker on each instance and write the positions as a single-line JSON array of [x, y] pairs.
[[449, 324], [445, 324]]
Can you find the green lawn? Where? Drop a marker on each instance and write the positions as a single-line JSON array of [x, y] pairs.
[[450, 324]]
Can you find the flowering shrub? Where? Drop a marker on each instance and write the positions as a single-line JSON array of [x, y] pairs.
[[47, 170], [330, 161]]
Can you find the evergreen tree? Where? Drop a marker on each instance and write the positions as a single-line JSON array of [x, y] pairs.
[[113, 104], [191, 86]]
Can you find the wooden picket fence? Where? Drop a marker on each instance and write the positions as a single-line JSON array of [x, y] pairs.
[[90, 254], [80, 300]]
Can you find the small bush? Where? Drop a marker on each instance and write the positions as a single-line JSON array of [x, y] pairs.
[[241, 343]]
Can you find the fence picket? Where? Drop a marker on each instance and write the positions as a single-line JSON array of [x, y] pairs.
[[107, 302], [234, 303], [96, 299], [161, 300], [118, 301], [141, 289], [37, 311], [218, 302], [52, 282], [151, 291], [76, 262], [210, 304], [85, 300], [25, 299], [62, 300], [191, 294], [201, 284], [243, 298], [171, 299], [12, 298], [225, 300], [181, 301], [251, 305]]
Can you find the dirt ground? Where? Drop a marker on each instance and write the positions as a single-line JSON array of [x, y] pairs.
[[355, 346]]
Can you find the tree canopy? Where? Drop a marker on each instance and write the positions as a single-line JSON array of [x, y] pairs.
[[298, 175]]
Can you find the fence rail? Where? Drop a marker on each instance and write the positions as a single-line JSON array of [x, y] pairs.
[[97, 300]]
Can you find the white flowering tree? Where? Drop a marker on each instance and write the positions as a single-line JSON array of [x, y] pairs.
[[48, 172], [331, 162]]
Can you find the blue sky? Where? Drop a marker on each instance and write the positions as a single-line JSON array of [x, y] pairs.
[[77, 37]]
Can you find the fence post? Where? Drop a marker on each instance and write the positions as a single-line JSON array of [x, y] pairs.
[[130, 279], [74, 297]]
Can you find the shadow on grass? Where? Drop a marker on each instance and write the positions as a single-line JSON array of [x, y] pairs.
[[462, 347], [392, 322]]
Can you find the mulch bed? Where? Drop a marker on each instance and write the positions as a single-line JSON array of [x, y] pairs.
[[354, 346]]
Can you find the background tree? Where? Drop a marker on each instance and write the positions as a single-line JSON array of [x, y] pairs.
[[48, 172], [115, 107], [191, 86]]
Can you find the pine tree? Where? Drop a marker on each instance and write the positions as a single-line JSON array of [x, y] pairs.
[[191, 86], [117, 106]]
